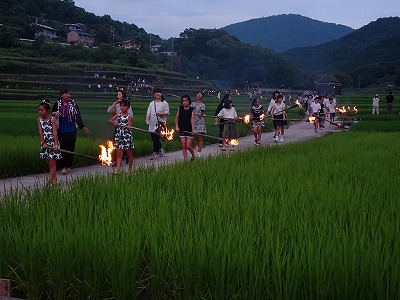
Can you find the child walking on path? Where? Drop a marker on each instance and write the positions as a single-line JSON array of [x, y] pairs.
[[184, 123], [256, 111], [228, 114], [156, 115], [315, 107], [123, 135], [331, 109], [115, 108], [199, 121], [279, 115], [47, 127]]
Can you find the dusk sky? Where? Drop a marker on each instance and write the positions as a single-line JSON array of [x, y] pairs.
[[169, 18]]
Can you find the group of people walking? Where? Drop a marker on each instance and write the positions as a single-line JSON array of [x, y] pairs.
[[59, 125], [189, 122], [58, 128]]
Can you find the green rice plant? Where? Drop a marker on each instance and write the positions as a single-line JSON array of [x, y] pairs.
[[311, 220]]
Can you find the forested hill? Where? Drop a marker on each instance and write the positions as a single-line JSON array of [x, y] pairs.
[[283, 32], [205, 54], [372, 50], [17, 16]]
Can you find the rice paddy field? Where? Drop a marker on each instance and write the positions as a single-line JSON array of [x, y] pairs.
[[312, 220]]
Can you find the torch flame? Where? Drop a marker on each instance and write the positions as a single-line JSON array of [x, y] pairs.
[[262, 116], [344, 110], [168, 134], [105, 156], [341, 109], [246, 119], [233, 142], [297, 102], [312, 119]]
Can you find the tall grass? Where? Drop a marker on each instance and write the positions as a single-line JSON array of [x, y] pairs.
[[315, 220]]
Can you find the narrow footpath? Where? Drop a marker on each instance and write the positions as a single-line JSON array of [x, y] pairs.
[[299, 131]]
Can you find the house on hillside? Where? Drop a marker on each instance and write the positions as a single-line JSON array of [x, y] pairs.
[[130, 44], [329, 84], [80, 37], [44, 31], [155, 48], [76, 26]]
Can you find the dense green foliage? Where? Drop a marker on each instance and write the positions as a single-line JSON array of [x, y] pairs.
[[221, 56], [369, 53], [283, 32], [20, 14]]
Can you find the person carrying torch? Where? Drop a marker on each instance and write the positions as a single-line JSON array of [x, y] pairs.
[[257, 113], [279, 116], [228, 113], [315, 107], [123, 135]]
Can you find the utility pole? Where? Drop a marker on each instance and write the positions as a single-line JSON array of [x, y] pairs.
[[150, 41], [112, 32]]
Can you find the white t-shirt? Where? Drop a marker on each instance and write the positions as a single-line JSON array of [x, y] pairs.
[[228, 113], [315, 106], [331, 107], [375, 102], [277, 108], [271, 104], [161, 106]]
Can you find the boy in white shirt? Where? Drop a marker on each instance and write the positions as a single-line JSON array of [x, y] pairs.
[[315, 108]]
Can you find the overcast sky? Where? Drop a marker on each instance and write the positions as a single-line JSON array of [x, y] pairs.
[[168, 18]]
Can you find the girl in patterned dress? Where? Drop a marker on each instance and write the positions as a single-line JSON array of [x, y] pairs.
[[199, 121], [47, 127], [123, 135]]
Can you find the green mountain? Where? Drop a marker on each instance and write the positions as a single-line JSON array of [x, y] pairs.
[[370, 52], [286, 31]]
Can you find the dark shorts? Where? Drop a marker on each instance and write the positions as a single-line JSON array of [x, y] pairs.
[[257, 123]]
